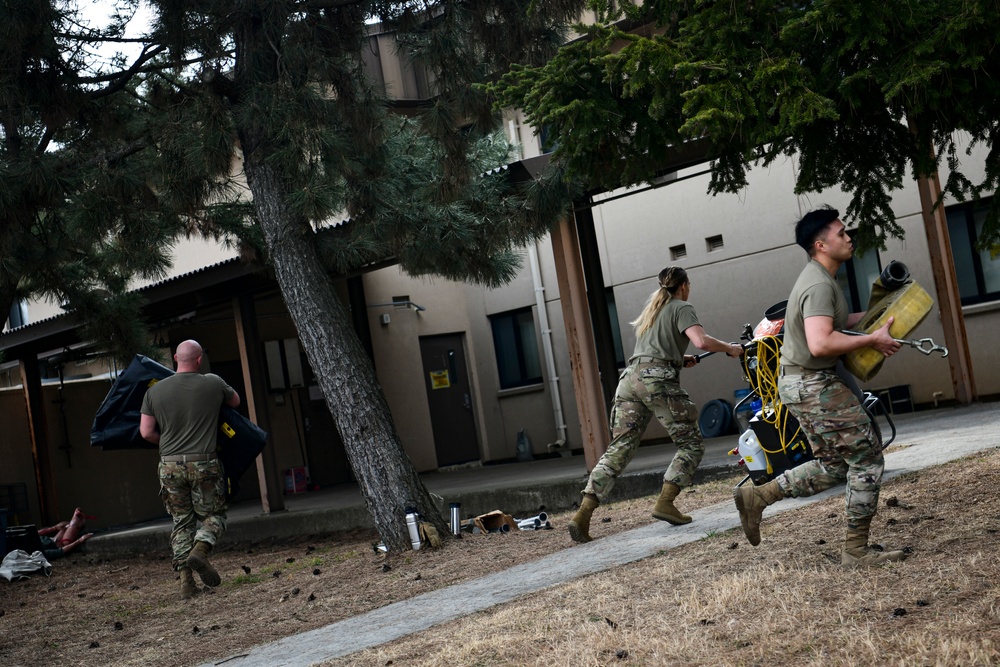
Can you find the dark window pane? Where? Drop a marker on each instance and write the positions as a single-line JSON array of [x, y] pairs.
[[961, 251], [989, 264], [855, 277], [616, 334], [978, 271], [516, 346]]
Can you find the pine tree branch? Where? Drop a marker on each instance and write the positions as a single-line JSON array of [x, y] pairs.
[[307, 5], [119, 79], [97, 38]]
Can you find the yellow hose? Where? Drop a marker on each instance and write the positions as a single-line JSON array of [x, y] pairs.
[[908, 306], [765, 382]]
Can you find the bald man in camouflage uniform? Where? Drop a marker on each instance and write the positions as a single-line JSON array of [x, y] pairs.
[[180, 414], [839, 431]]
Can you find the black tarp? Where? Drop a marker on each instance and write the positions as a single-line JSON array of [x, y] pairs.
[[116, 424]]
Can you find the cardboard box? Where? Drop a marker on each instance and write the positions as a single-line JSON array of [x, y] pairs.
[[494, 522]]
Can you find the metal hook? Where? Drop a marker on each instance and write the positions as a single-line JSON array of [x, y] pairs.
[[922, 345], [925, 346]]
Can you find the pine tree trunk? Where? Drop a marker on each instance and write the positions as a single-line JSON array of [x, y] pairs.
[[389, 483], [388, 480]]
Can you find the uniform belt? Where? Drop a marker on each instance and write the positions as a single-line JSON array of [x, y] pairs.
[[791, 369], [187, 458], [653, 360]]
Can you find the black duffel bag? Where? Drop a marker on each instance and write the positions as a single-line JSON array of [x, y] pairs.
[[116, 424]]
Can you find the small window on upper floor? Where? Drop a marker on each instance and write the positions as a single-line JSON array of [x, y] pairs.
[[714, 243], [678, 252]]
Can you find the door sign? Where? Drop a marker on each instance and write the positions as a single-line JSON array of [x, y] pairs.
[[440, 379]]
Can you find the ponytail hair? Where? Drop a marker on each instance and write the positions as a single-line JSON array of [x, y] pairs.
[[671, 279]]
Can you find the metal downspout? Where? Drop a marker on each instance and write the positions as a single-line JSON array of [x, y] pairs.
[[550, 363]]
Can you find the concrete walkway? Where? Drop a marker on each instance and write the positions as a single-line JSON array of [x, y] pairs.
[[925, 440]]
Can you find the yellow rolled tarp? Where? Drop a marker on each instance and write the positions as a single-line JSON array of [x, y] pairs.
[[909, 305]]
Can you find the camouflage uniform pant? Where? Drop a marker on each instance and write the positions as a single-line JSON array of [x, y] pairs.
[[644, 390], [842, 439], [192, 492]]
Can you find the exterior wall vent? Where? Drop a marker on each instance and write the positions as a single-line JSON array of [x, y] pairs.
[[678, 252], [714, 243]]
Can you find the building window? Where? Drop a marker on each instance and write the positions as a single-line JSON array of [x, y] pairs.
[[516, 348], [18, 316], [713, 243], [978, 271], [856, 276], [678, 252], [616, 334]]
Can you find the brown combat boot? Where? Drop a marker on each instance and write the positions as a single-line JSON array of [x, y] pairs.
[[856, 552], [198, 561], [664, 509], [188, 587], [579, 525], [751, 501]]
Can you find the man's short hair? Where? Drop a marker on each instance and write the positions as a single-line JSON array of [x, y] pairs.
[[812, 225]]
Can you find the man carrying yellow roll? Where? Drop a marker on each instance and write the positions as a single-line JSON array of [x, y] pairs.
[[839, 431]]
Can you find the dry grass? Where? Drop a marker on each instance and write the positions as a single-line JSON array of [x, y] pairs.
[[714, 602], [93, 612], [723, 602]]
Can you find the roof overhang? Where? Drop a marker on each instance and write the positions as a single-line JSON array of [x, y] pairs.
[[211, 285]]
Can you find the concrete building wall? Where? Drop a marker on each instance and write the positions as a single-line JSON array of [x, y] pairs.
[[757, 266], [397, 349], [450, 308], [732, 286]]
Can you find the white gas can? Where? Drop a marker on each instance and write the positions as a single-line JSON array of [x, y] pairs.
[[751, 451]]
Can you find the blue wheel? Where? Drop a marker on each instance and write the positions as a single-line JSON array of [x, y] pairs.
[[716, 418]]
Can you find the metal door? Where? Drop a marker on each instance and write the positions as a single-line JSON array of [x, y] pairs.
[[446, 378]]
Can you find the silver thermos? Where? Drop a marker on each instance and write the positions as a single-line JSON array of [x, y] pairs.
[[411, 525], [456, 520]]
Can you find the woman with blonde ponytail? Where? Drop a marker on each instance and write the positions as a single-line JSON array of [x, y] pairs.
[[650, 386]]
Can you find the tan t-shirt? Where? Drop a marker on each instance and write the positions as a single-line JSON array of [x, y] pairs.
[[186, 408], [815, 293], [665, 339]]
